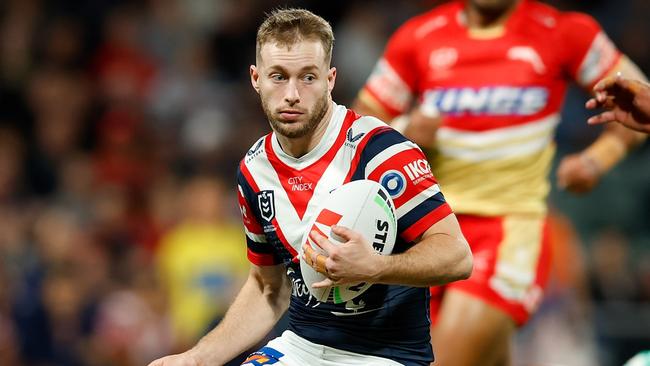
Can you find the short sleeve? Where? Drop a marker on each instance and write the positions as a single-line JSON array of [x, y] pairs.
[[259, 251], [401, 167], [589, 53], [392, 81]]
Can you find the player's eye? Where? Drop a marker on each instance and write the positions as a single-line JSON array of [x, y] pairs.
[[277, 77], [309, 77]]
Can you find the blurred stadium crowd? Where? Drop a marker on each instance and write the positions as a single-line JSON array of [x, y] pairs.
[[121, 126]]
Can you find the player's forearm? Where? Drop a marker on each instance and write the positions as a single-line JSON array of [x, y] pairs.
[[436, 260], [611, 147], [367, 105], [255, 311], [629, 69]]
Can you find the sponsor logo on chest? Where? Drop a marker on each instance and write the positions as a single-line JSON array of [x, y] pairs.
[[300, 184], [488, 100]]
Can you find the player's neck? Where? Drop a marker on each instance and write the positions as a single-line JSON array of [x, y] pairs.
[[477, 19], [298, 147]]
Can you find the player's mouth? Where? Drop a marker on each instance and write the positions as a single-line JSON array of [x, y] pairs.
[[290, 114]]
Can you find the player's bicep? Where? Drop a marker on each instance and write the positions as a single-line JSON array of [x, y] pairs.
[[448, 225], [425, 209], [269, 279]]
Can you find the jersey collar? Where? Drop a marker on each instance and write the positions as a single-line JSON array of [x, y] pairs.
[[330, 135]]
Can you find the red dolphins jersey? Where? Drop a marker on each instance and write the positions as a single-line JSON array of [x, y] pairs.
[[500, 96]]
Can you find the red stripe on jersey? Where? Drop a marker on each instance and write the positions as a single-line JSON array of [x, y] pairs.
[[405, 159], [357, 155], [328, 218], [299, 183], [250, 222], [261, 259], [256, 188], [420, 226], [247, 175]]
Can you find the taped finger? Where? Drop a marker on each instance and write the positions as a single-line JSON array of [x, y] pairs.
[[320, 264]]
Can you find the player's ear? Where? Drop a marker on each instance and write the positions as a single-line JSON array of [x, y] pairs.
[[255, 76], [331, 78]]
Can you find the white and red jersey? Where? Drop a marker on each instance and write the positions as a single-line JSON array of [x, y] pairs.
[[500, 96], [280, 194]]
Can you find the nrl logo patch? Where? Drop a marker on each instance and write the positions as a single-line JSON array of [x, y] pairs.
[[266, 202]]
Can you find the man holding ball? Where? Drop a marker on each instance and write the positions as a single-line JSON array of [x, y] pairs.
[[315, 147]]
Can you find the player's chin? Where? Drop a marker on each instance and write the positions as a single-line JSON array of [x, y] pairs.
[[291, 123], [292, 129]]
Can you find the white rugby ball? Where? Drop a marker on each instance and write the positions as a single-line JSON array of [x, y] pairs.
[[363, 206]]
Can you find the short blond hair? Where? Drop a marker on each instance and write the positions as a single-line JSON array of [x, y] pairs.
[[287, 27]]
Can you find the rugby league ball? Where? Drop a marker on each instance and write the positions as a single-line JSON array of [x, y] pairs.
[[363, 206]]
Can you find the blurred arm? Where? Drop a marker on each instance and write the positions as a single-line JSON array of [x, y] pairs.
[[419, 125], [367, 105], [581, 172]]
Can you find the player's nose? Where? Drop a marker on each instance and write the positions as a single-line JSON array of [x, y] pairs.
[[291, 93]]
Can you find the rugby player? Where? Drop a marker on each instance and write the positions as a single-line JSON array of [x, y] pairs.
[[480, 84]]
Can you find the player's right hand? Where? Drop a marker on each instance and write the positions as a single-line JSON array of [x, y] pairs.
[[578, 173], [352, 261], [182, 359]]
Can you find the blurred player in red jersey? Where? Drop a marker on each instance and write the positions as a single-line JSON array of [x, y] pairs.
[[489, 78], [627, 102]]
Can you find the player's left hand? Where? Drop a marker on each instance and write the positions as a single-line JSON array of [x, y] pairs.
[[578, 173], [352, 261]]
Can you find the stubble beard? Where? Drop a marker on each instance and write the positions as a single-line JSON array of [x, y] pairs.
[[305, 128]]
